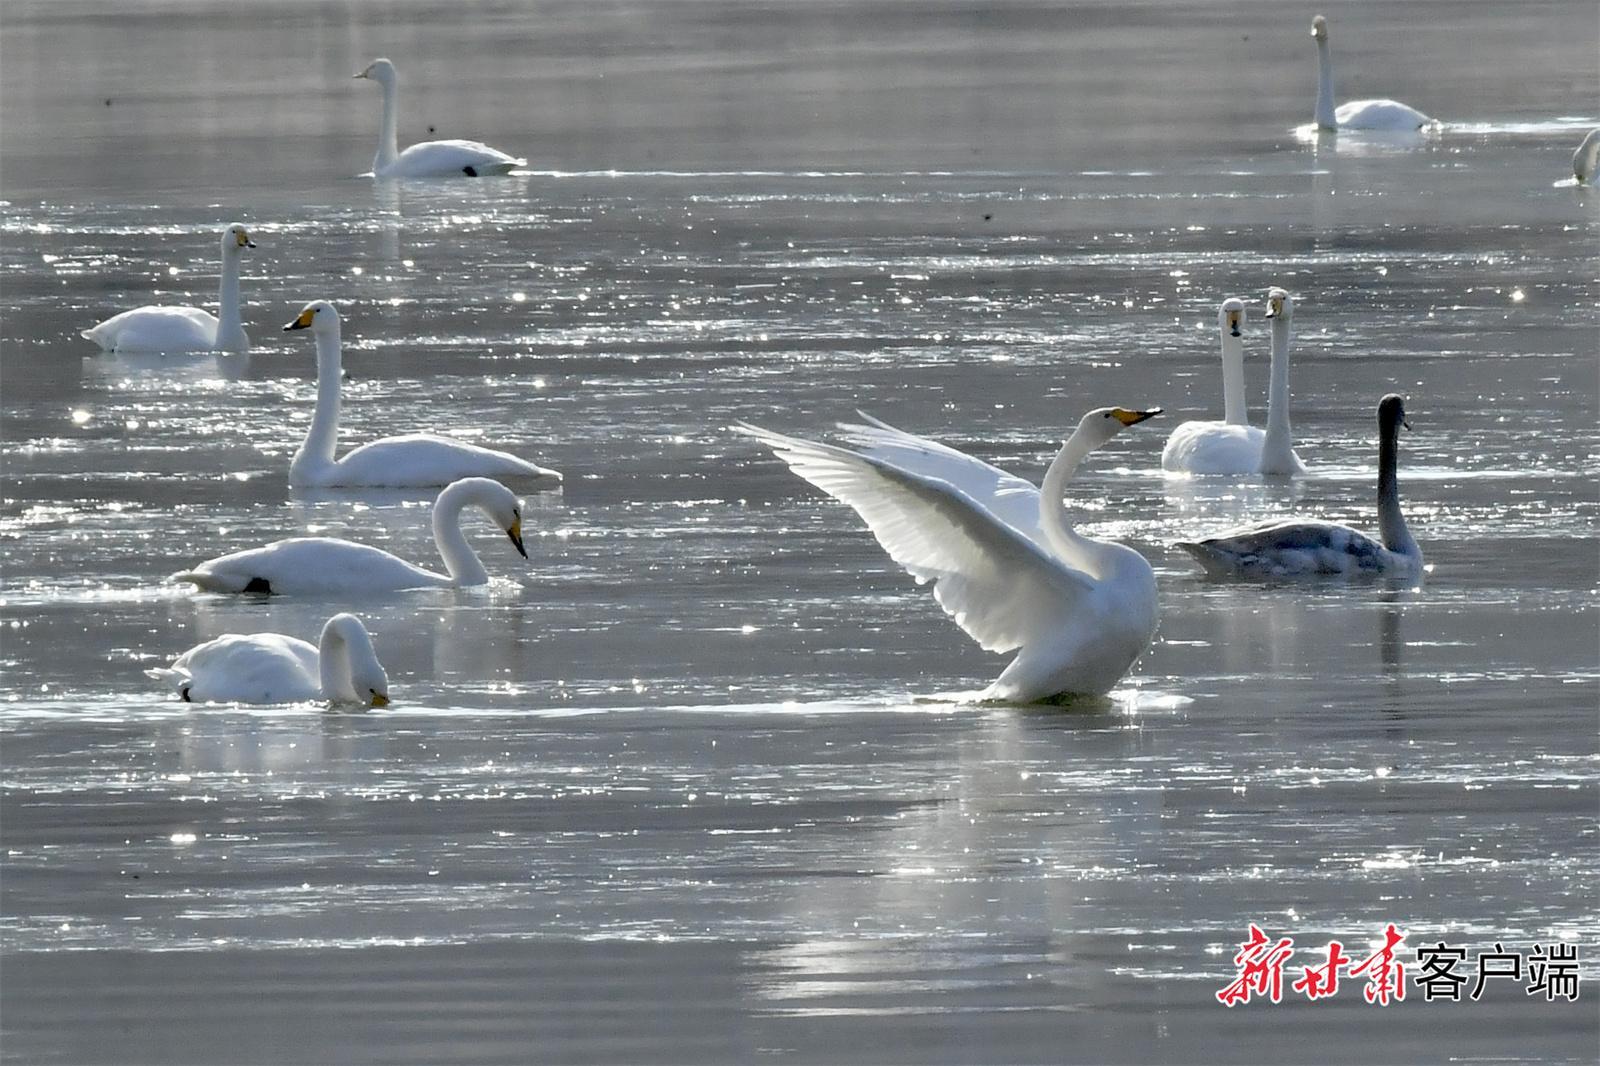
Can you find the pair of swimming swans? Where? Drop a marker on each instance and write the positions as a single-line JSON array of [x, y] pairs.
[[1233, 446], [342, 667]]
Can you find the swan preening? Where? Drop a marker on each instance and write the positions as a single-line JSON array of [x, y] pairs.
[[1003, 557], [1356, 114], [184, 329], [415, 460], [1308, 546], [1584, 160], [331, 566], [272, 668], [426, 159], [1233, 446]]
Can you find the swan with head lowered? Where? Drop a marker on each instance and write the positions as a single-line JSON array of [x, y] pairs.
[[1389, 115], [341, 667], [1232, 446], [1584, 160], [414, 460], [1308, 546], [1003, 557], [426, 159], [324, 566], [184, 329]]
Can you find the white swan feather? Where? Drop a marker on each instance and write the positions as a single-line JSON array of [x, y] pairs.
[[426, 159], [161, 328], [272, 668], [1375, 115]]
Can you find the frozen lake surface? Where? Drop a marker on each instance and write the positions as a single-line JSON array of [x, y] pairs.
[[697, 783]]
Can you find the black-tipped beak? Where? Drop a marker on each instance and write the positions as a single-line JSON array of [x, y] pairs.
[[1235, 330], [1133, 418], [515, 533], [1404, 421], [296, 324], [249, 244]]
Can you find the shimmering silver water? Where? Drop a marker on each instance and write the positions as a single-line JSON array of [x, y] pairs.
[[689, 786]]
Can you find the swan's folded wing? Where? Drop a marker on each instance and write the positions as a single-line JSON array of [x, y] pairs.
[[998, 585], [1013, 500], [422, 459], [1295, 546]]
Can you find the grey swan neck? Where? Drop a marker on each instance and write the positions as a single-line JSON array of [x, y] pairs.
[[1391, 522], [1277, 447]]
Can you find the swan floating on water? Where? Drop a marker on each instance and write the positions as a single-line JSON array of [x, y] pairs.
[[1307, 546], [273, 668], [413, 460], [1004, 559], [426, 159], [184, 329], [1278, 457], [332, 566], [1356, 114], [1232, 446], [1585, 159]]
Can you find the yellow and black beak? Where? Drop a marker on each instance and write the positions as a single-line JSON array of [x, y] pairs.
[[379, 700], [1274, 307], [301, 321], [1133, 418], [1234, 319], [515, 533], [244, 240]]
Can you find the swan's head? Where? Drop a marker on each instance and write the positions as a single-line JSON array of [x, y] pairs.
[[1279, 304], [497, 501], [1319, 27], [234, 238], [1584, 160], [1392, 413], [379, 70], [318, 315], [1231, 316], [1103, 423], [369, 682]]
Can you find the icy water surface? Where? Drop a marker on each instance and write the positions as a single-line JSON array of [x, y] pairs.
[[698, 782]]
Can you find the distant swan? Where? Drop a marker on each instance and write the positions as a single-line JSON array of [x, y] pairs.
[[1585, 158], [1356, 114], [273, 668], [414, 460], [184, 329], [1080, 610], [1305, 546], [426, 159], [1231, 446], [335, 567]]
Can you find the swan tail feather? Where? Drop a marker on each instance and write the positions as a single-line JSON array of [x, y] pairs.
[[206, 580]]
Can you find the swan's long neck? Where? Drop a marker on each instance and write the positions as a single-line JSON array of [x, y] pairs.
[[1073, 548], [1585, 158], [1325, 117], [1277, 447], [230, 328], [389, 137], [1391, 523], [462, 563], [333, 664], [1235, 411], [316, 451]]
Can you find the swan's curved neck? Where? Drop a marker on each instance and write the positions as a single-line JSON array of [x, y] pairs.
[[1391, 523], [1235, 411], [230, 327], [389, 136], [1277, 447], [1083, 553], [1584, 160], [462, 563], [316, 451], [333, 664], [1325, 116]]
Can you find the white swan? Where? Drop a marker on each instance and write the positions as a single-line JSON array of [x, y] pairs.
[[184, 329], [1584, 160], [1232, 446], [331, 566], [426, 159], [1080, 610], [273, 668], [1356, 114], [414, 460], [1303, 546], [1278, 457]]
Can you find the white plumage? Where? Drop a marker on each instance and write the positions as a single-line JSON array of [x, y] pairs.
[[1377, 115], [160, 328], [426, 159], [273, 668]]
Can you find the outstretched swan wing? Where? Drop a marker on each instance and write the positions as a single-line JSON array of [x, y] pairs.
[[1011, 499], [999, 586]]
